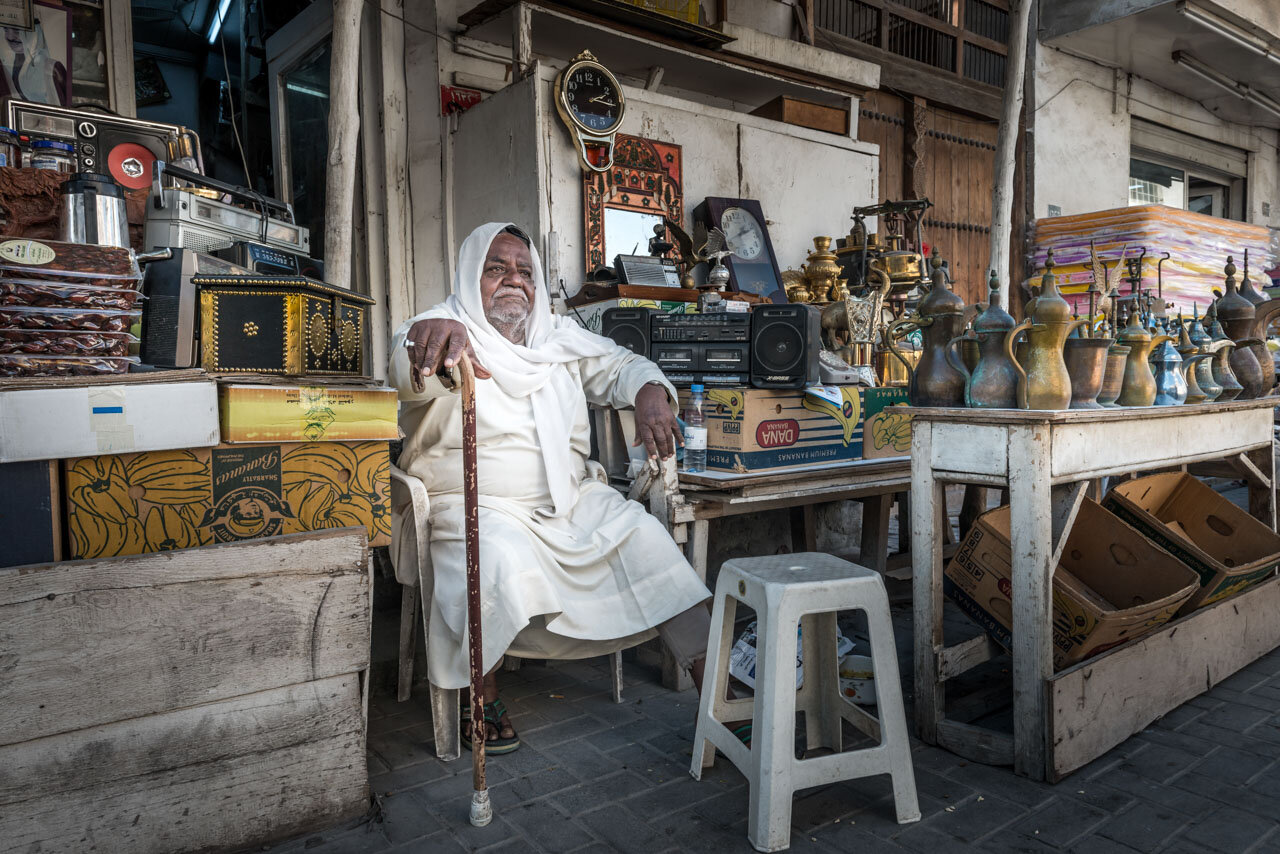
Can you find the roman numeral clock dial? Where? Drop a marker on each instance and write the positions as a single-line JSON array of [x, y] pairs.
[[591, 104]]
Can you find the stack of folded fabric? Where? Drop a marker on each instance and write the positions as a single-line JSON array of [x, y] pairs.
[[1198, 246]]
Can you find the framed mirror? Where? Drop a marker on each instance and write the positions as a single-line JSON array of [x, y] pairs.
[[623, 205]]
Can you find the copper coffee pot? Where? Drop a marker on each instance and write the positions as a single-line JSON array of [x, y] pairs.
[[940, 318]]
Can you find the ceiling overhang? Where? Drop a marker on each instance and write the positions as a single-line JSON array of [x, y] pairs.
[[1225, 55]]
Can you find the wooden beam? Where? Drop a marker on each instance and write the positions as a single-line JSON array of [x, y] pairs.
[[344, 129], [395, 165], [966, 655], [521, 41]]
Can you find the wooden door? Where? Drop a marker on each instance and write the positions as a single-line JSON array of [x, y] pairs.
[[948, 157]]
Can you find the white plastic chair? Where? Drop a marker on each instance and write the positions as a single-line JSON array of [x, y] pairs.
[[417, 587]]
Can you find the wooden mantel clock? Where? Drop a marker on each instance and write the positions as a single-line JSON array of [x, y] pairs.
[[591, 104]]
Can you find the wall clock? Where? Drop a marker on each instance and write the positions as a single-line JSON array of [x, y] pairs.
[[591, 104], [753, 268]]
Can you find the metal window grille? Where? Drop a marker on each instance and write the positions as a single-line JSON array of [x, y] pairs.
[[940, 9], [986, 20], [918, 42], [851, 18], [984, 66]]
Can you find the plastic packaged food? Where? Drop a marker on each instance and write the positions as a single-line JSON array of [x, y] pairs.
[[59, 342], [18, 365], [53, 154], [65, 295], [92, 320], [10, 148], [104, 266]]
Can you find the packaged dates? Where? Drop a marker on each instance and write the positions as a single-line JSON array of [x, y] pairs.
[[92, 320], [51, 260], [64, 295], [59, 342], [18, 365]]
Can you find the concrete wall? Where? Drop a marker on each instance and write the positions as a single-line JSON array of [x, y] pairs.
[[1082, 143]]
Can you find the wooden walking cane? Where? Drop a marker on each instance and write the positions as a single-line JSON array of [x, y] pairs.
[[481, 811]]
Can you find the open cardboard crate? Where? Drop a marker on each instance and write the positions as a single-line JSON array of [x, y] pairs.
[[1229, 549], [1112, 584]]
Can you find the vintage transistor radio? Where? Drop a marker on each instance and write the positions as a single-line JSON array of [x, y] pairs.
[[281, 325]]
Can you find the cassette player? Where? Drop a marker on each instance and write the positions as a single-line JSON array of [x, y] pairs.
[[718, 327]]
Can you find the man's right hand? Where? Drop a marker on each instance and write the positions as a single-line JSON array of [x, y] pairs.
[[438, 343]]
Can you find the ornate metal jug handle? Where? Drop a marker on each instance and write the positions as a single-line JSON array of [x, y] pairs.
[[1009, 341]]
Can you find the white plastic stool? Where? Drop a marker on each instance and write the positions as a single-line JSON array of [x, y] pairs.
[[808, 588]]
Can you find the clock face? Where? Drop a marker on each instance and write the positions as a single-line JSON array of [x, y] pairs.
[[744, 234], [592, 98]]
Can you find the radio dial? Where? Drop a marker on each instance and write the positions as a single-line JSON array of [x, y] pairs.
[[88, 149], [87, 129]]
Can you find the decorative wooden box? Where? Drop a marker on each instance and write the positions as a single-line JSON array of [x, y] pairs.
[[278, 325]]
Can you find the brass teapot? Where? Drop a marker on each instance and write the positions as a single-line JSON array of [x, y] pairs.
[[1139, 385], [993, 381], [940, 318], [1043, 381]]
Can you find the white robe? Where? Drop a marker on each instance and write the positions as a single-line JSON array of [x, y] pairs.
[[571, 586]]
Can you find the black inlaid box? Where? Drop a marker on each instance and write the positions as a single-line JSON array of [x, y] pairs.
[[278, 325]]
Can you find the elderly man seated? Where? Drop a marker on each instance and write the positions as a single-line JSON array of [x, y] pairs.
[[569, 567]]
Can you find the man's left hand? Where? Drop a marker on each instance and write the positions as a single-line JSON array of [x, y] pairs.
[[656, 425]]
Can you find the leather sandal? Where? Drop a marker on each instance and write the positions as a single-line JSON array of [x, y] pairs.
[[493, 714]]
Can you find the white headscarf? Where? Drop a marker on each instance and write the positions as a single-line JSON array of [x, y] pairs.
[[535, 369]]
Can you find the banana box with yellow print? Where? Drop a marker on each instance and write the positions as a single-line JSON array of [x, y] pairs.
[[1228, 549], [886, 423], [1111, 586], [754, 430], [310, 413], [129, 504]]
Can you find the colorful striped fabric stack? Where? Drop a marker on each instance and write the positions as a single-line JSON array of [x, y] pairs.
[[1198, 246]]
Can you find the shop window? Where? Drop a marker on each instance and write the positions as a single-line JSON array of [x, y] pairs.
[[1169, 167], [1153, 181]]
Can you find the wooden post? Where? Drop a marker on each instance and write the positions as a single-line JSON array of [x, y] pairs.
[[1007, 143], [344, 127], [521, 41]]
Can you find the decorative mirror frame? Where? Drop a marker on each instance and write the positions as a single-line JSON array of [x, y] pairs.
[[646, 177]]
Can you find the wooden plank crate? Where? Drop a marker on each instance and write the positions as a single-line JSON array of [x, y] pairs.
[[206, 699]]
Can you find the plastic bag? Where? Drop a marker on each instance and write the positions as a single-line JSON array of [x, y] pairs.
[[742, 657]]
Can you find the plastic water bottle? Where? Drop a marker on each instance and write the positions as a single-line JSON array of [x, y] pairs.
[[695, 432]]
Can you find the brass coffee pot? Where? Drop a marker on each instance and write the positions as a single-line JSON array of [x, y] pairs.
[[1237, 316], [1113, 373], [940, 318], [1139, 385], [821, 273], [1043, 381], [1222, 373], [993, 382]]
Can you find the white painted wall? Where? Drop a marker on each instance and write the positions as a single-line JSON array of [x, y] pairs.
[[1082, 144]]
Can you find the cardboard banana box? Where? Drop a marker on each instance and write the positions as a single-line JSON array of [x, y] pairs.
[[265, 413], [754, 430], [129, 504]]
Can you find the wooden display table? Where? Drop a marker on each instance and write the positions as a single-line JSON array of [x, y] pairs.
[[714, 495], [1047, 459]]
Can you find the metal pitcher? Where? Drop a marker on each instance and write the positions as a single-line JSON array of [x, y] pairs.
[[1043, 380], [993, 382], [1113, 375], [1138, 388], [1086, 360], [1237, 315], [940, 318], [1222, 373]]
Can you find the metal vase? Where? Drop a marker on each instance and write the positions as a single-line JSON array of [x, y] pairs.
[[1086, 360], [1113, 375]]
